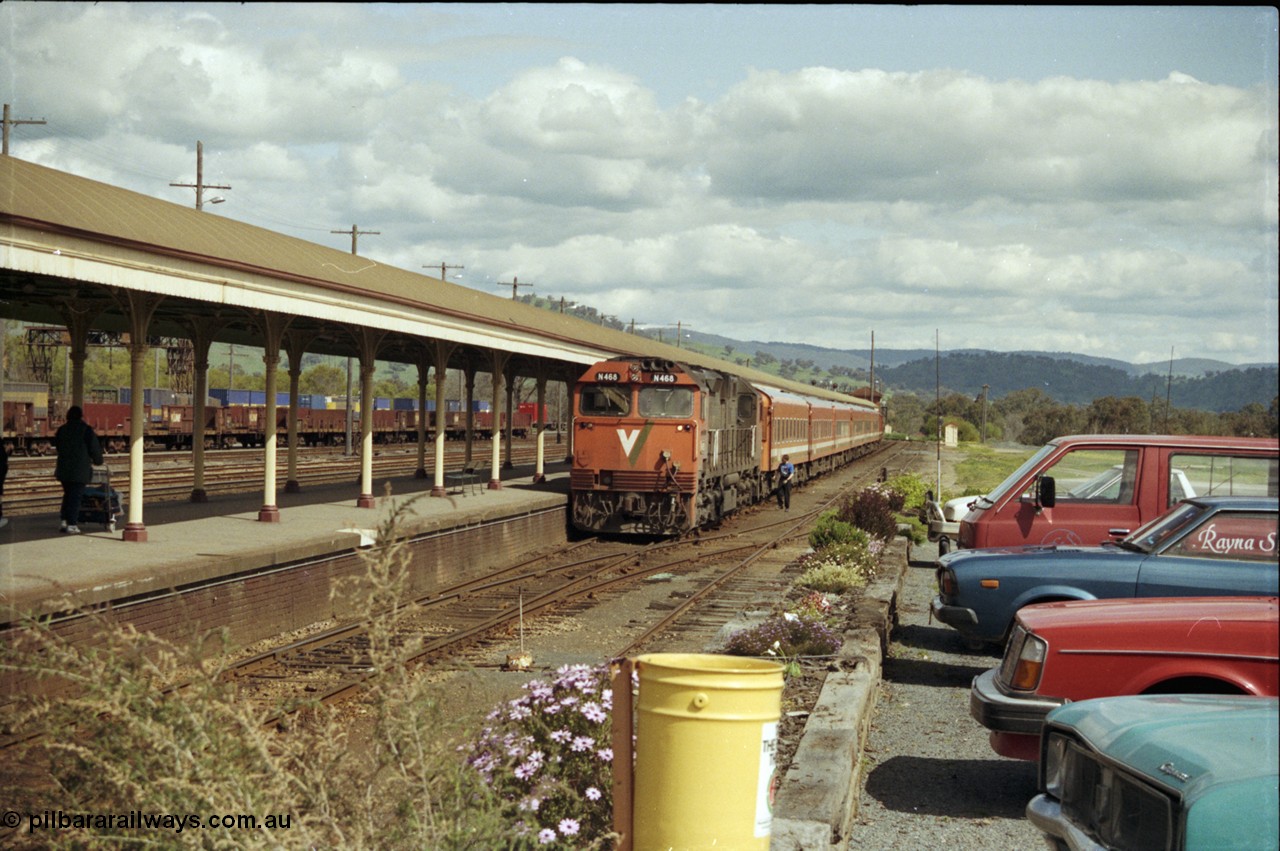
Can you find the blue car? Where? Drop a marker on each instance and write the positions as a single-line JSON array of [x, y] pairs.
[[1203, 547], [1173, 772]]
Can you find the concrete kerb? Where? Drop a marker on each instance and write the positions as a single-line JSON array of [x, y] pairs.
[[818, 798]]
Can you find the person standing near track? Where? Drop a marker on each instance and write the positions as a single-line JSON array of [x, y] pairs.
[[78, 451], [786, 473]]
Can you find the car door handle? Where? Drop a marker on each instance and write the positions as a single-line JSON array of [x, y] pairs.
[[1118, 533]]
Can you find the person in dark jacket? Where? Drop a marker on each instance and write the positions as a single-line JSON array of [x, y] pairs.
[[786, 474], [78, 451]]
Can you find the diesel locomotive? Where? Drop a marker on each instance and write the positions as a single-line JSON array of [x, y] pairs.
[[662, 448]]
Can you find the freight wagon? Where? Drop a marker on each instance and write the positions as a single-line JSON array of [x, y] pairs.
[[237, 419]]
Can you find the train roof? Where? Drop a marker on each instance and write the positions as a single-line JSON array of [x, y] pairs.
[[789, 396]]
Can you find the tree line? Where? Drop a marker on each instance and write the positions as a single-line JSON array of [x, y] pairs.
[[1030, 416]]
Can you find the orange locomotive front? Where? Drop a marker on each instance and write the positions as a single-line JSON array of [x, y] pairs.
[[661, 448]]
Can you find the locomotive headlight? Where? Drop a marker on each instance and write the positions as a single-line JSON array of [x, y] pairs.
[[666, 456], [606, 478]]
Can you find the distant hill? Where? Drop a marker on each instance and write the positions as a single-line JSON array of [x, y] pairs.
[[1197, 383]]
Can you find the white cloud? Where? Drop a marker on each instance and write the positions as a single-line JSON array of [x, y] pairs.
[[813, 204]]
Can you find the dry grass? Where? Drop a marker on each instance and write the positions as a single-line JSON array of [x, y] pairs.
[[114, 745]]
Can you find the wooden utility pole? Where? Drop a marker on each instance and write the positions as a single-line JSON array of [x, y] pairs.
[[443, 267], [515, 282], [10, 122], [200, 186], [355, 236]]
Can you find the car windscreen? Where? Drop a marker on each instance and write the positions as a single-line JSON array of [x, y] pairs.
[[666, 402], [601, 400], [1014, 477], [1159, 532]]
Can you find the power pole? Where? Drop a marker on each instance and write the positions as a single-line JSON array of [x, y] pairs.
[[10, 122], [355, 235], [200, 186], [443, 267], [515, 282]]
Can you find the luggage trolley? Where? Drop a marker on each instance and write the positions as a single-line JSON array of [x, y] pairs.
[[101, 502]]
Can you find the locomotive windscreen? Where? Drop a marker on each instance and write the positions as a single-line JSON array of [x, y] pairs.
[[666, 402], [605, 401]]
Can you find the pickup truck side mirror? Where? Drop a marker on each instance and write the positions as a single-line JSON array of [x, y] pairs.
[[1046, 492]]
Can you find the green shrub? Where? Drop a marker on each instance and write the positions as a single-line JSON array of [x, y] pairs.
[[830, 530], [912, 488]]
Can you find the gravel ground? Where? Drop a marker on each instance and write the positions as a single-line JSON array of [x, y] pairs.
[[932, 779]]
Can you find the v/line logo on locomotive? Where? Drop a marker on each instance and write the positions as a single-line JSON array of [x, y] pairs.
[[628, 440], [662, 447]]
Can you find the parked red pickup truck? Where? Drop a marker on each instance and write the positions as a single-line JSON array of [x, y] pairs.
[[1087, 489], [1064, 652]]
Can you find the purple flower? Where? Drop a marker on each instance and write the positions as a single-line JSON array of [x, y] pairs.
[[593, 794], [606, 754], [568, 826], [581, 743], [546, 836], [593, 712]]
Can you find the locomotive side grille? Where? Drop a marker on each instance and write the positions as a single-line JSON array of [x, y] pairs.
[[632, 480]]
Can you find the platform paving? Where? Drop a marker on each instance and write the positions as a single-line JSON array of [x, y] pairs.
[[195, 542]]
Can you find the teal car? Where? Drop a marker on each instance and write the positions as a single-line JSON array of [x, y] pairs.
[[1169, 772]]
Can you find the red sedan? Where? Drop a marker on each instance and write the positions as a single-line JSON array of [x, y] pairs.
[[1063, 652]]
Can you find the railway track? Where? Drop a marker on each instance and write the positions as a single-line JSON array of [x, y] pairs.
[[468, 624], [464, 623]]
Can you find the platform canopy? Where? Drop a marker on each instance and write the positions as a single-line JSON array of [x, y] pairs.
[[69, 244]]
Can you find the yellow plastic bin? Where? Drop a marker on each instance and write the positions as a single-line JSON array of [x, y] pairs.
[[706, 748]]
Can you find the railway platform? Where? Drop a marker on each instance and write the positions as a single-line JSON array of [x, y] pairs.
[[228, 568]]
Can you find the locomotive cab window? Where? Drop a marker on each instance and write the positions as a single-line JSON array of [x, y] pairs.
[[605, 401], [666, 402], [746, 409]]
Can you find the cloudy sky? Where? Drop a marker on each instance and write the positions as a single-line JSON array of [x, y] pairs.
[[1094, 180]]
